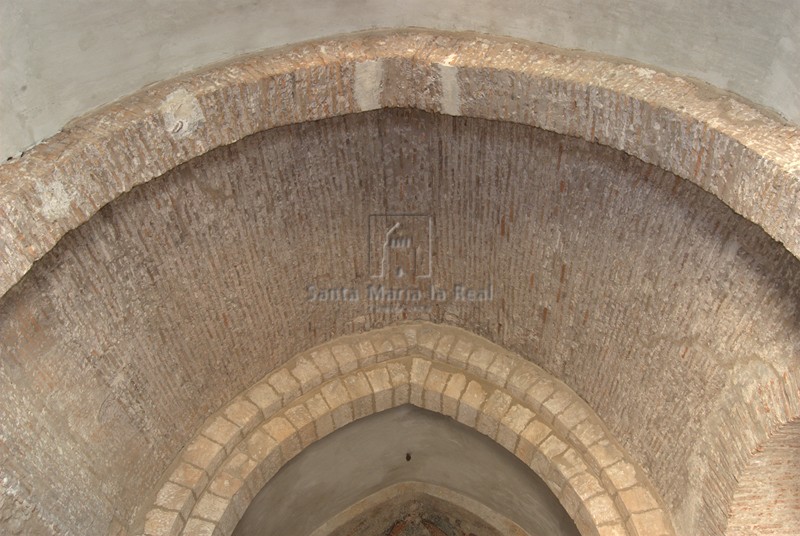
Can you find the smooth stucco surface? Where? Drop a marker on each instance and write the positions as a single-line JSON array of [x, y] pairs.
[[405, 444], [59, 60]]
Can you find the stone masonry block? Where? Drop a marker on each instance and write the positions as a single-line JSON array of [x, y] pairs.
[[585, 486], [479, 361], [652, 523], [285, 384], [338, 399], [189, 476], [539, 392], [199, 527], [303, 422], [210, 507], [162, 523], [427, 338], [177, 498], [500, 369], [360, 394], [587, 433], [443, 347], [306, 373], [399, 375], [346, 357], [573, 415], [383, 347], [223, 431], [321, 413], [419, 373], [282, 431], [265, 397], [493, 411], [400, 344], [620, 475], [244, 414], [603, 454], [571, 463], [325, 362], [452, 394], [381, 385], [366, 353], [554, 405], [638, 500], [435, 384], [225, 485], [459, 355], [204, 453], [530, 439], [521, 380], [259, 444], [238, 465], [603, 512], [511, 426], [471, 401]]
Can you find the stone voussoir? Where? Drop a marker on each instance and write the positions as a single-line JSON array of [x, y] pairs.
[[586, 478]]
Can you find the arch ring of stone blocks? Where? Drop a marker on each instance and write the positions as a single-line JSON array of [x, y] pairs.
[[439, 368], [748, 159]]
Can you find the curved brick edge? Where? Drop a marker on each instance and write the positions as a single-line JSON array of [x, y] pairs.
[[747, 159], [442, 369], [766, 498], [411, 489]]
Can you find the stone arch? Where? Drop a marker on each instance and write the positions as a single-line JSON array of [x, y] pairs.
[[64, 181], [744, 157], [439, 368]]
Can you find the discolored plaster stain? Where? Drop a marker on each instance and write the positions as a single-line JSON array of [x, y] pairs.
[[369, 84], [181, 113], [451, 92], [56, 201]]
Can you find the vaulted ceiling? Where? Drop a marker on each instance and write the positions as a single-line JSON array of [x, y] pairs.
[[631, 234]]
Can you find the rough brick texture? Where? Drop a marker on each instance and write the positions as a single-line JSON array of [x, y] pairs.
[[673, 318]]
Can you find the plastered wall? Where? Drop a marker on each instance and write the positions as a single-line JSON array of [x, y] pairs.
[[59, 60]]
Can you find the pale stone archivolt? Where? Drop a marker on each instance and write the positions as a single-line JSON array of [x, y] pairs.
[[439, 368]]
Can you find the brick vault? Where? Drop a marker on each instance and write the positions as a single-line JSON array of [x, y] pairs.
[[581, 272]]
